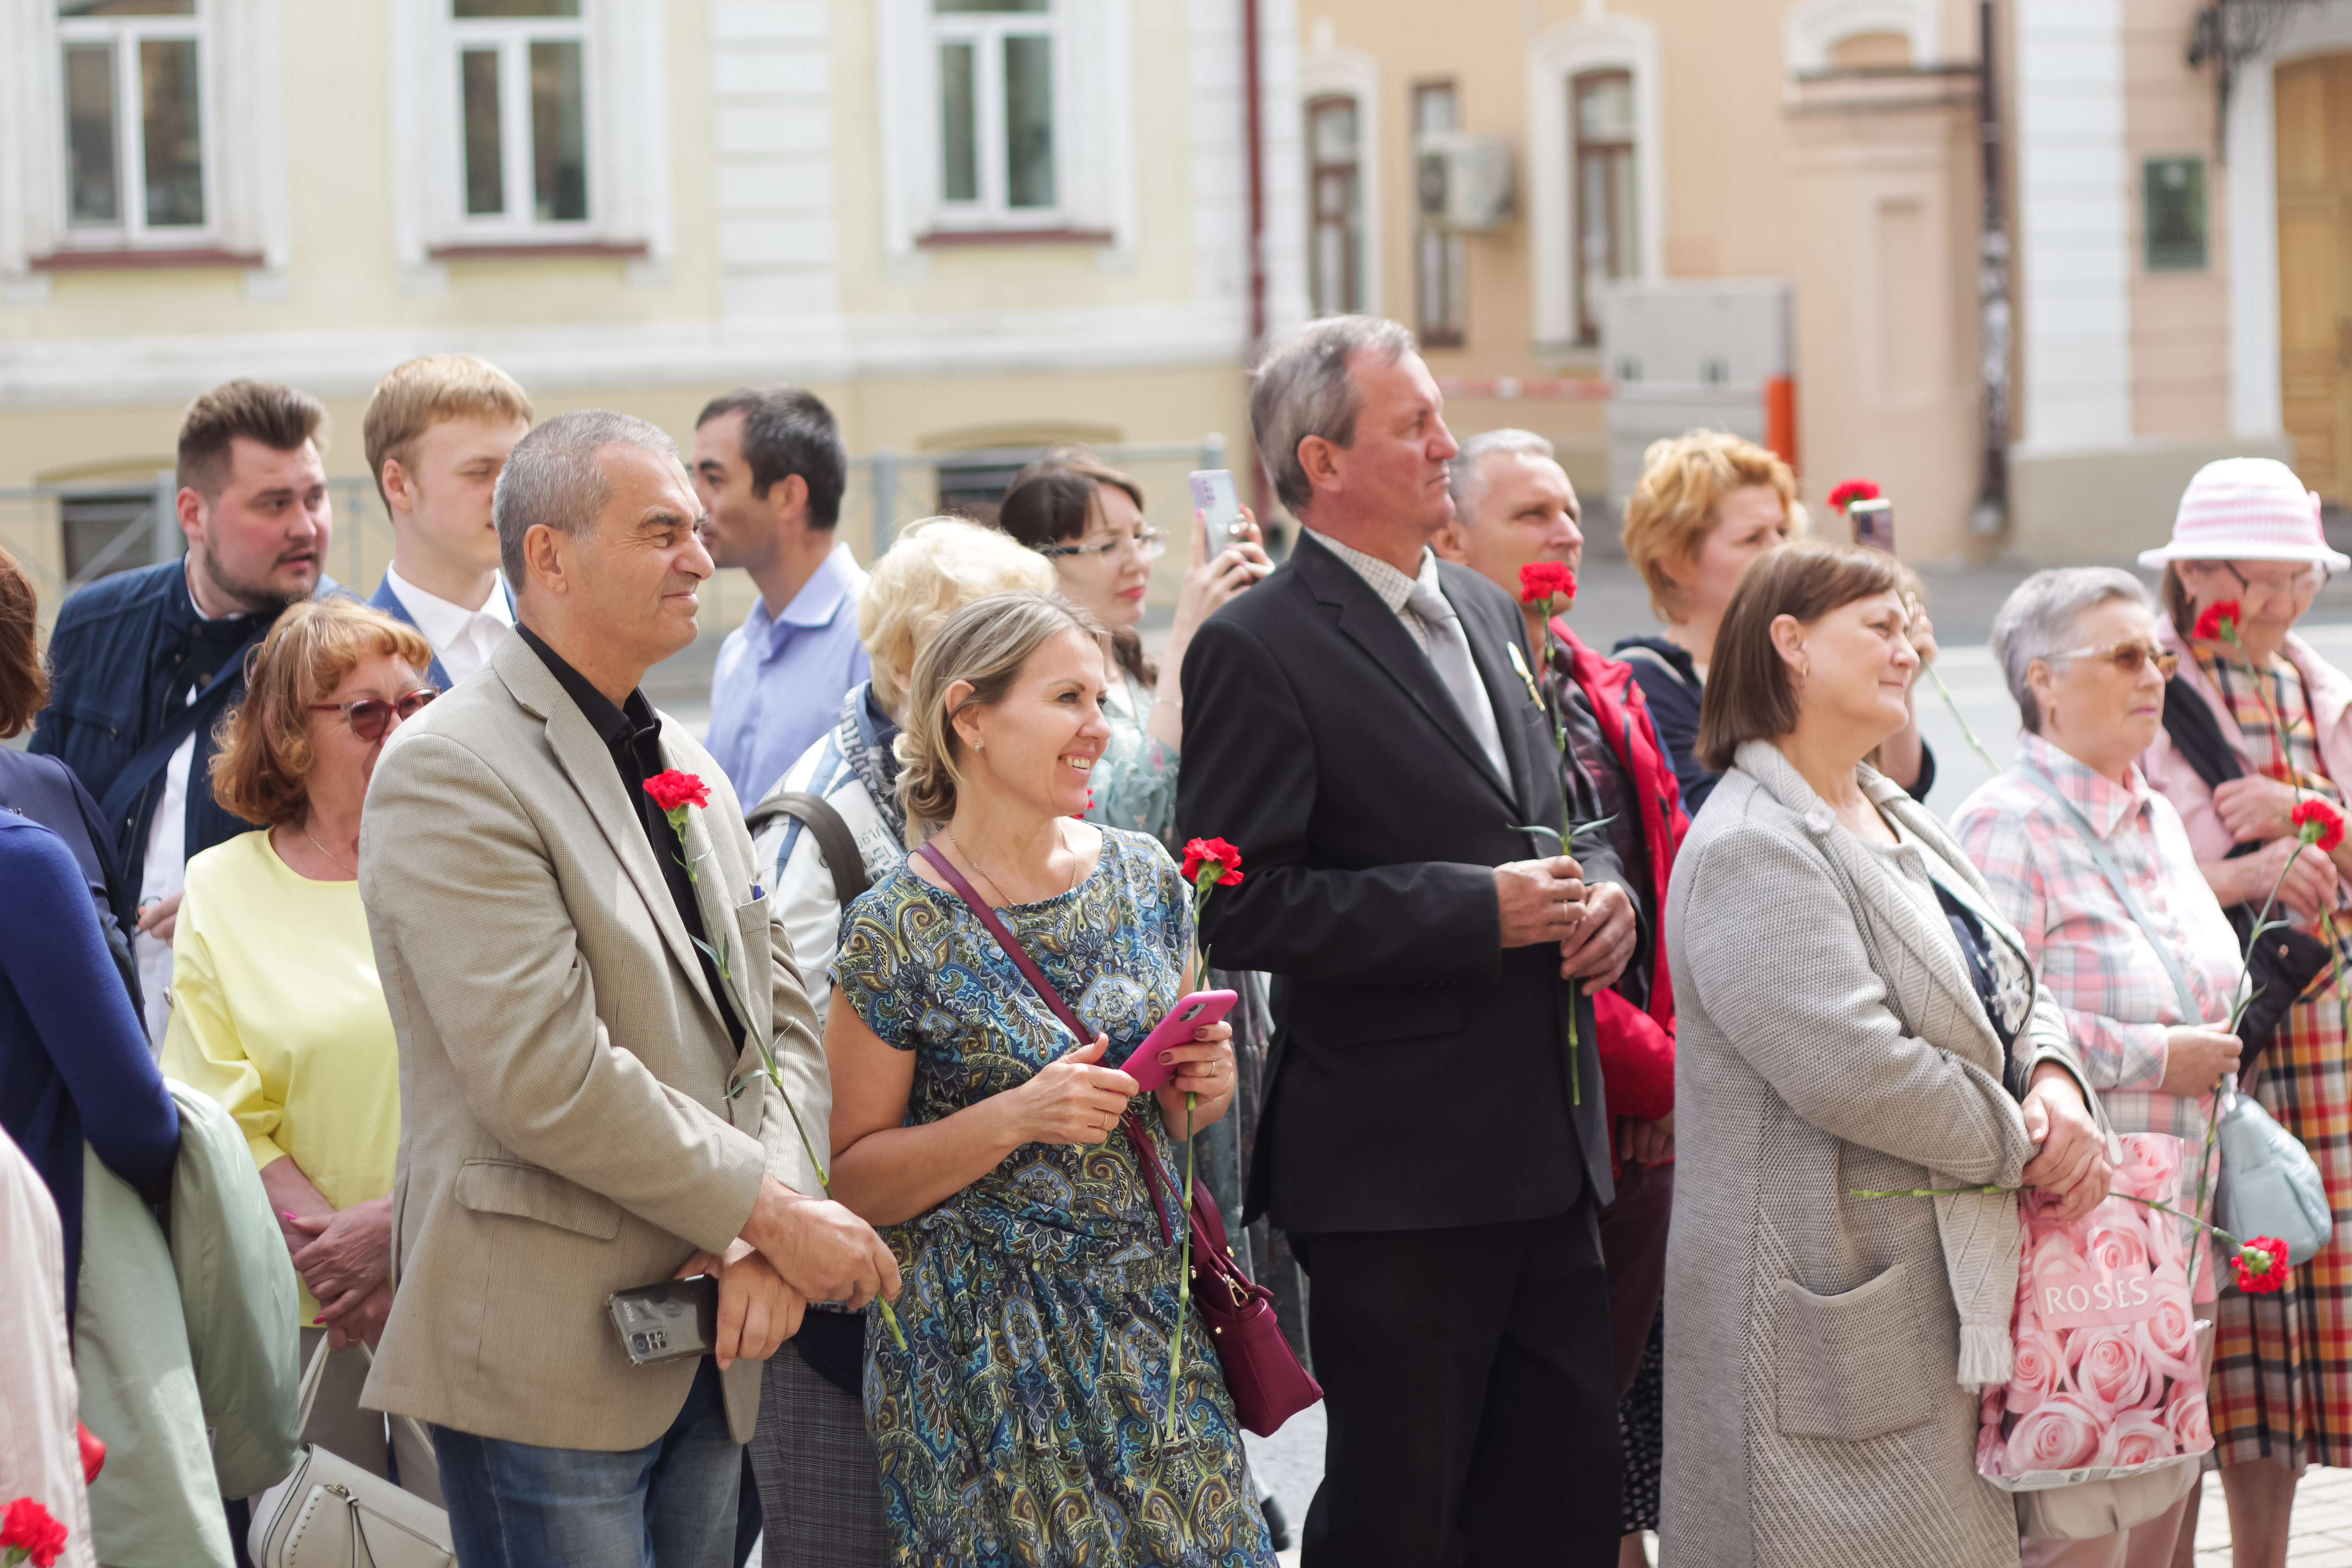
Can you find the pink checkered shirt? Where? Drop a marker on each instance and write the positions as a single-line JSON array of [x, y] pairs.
[[2098, 963]]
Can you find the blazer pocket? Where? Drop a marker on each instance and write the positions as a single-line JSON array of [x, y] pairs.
[[1849, 1364], [528, 1191]]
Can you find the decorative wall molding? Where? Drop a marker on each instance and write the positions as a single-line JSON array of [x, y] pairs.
[[1811, 30], [38, 372]]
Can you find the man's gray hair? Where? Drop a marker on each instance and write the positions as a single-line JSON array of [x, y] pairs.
[[1467, 480], [552, 476], [2040, 619], [1305, 388]]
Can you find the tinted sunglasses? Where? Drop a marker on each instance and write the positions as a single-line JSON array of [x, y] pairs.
[[2129, 658], [370, 717]]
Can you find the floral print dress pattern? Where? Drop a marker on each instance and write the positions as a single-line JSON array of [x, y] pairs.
[[1027, 1422]]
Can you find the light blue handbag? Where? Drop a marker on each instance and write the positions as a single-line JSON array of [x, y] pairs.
[[2269, 1184]]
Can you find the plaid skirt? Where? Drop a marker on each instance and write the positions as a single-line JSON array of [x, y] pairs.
[[2281, 1386]]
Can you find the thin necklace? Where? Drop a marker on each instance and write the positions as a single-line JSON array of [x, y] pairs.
[[993, 881], [326, 852]]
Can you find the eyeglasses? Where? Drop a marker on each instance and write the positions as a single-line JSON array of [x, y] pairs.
[[2128, 657], [2302, 584], [370, 717], [1148, 542]]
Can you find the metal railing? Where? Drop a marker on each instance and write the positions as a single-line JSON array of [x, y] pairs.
[[883, 470]]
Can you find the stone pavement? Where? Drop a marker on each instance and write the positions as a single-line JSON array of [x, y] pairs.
[[2322, 1524]]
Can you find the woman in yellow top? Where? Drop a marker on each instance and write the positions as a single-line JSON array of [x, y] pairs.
[[276, 1009]]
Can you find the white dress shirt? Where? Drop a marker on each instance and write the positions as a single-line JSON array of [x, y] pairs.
[[462, 639]]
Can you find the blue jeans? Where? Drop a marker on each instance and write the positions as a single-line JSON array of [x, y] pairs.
[[670, 1504]]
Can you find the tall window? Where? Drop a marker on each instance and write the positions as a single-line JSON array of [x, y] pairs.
[[998, 153], [134, 141], [522, 106], [1334, 217], [1440, 260], [1606, 248]]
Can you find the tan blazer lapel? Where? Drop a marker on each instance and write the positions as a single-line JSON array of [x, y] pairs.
[[588, 764], [743, 957]]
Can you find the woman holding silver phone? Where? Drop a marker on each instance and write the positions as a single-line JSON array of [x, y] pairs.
[[1028, 1189]]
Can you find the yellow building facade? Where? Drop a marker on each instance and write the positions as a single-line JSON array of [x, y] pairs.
[[968, 225]]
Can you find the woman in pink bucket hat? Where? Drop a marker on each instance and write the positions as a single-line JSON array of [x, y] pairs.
[[2246, 547]]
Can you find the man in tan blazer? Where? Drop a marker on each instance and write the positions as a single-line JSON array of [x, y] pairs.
[[581, 1000]]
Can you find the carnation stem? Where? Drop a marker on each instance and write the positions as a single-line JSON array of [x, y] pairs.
[[1183, 1277], [1958, 718]]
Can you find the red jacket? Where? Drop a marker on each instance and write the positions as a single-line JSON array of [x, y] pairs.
[[1636, 1047]]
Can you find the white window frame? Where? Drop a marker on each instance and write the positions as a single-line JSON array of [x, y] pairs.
[[1094, 133], [241, 105], [123, 35], [511, 38], [1609, 42], [1327, 70], [986, 32], [624, 68]]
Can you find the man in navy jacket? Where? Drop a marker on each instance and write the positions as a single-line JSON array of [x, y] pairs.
[[144, 663]]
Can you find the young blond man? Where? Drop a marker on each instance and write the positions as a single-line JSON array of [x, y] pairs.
[[438, 430]]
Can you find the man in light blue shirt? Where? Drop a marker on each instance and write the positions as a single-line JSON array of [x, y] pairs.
[[769, 467]]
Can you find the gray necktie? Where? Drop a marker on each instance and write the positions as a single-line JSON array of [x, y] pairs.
[[1449, 650]]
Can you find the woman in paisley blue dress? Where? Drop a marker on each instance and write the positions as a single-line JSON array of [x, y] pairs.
[[1086, 517], [1026, 1421]]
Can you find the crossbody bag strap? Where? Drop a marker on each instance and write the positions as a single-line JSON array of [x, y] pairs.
[[132, 781], [2191, 1011], [1145, 1155]]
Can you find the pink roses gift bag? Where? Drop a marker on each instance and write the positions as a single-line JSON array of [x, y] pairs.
[[2109, 1386]]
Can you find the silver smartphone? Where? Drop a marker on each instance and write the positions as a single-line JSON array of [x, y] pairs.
[[1214, 495], [1874, 523], [668, 1319]]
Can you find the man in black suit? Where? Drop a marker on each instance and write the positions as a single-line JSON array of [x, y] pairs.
[[1432, 1142]]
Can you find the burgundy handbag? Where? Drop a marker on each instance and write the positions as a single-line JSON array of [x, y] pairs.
[[1264, 1376]]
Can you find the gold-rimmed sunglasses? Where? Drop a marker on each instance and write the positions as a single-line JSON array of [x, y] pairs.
[[2130, 656]]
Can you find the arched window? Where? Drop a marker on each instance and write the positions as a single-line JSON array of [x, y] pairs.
[[1334, 245], [1607, 214]]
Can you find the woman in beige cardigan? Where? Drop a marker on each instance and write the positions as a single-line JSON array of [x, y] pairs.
[[1854, 1015]]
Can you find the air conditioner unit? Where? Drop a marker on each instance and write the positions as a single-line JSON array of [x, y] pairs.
[[1462, 182]]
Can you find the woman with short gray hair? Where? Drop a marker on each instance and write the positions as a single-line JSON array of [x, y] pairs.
[[2142, 968]]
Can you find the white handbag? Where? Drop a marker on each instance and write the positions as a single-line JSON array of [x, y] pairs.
[[330, 1514]]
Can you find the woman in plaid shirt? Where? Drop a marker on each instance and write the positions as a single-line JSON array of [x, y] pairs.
[[2080, 649]]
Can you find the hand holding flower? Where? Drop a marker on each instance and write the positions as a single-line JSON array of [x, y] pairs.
[[2072, 1164]]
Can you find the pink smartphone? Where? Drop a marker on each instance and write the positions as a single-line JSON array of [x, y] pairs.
[[1197, 1011]]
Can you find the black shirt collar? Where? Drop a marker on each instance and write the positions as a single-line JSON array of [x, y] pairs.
[[612, 724]]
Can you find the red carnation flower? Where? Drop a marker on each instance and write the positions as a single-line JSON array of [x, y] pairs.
[[1205, 852], [2261, 1265], [1540, 582], [2219, 623], [1852, 490], [30, 1529], [2317, 824], [673, 791]]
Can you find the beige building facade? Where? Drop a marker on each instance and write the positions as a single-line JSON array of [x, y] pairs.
[[968, 226], [2178, 273]]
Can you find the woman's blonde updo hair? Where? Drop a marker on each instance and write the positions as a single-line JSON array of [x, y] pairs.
[[986, 643], [263, 766], [936, 566], [1673, 508]]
